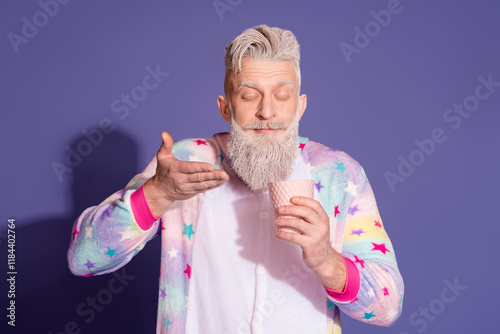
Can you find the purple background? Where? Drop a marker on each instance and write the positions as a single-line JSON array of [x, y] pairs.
[[441, 219]]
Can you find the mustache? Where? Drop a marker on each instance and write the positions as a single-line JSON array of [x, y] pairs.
[[258, 125]]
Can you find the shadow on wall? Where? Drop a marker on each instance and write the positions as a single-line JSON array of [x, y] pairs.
[[49, 298]]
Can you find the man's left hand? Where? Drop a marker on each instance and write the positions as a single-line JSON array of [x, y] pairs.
[[314, 224]]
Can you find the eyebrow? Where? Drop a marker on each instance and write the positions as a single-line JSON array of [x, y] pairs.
[[253, 85]]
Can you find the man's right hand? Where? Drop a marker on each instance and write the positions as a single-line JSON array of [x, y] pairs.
[[178, 180]]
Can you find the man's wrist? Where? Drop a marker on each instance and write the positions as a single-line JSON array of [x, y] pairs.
[[333, 273], [157, 201]]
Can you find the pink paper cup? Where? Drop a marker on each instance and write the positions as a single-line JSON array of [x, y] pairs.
[[282, 191]]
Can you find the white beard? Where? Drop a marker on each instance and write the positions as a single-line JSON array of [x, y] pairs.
[[266, 158]]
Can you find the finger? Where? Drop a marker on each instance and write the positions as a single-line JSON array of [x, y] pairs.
[[189, 167], [166, 145], [216, 186], [298, 224], [304, 212], [205, 176], [296, 238], [206, 185], [311, 203]]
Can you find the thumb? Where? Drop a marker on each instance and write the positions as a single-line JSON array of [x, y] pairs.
[[166, 145]]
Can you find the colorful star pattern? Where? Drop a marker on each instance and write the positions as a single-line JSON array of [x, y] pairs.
[[75, 233], [368, 316], [351, 188], [336, 211], [379, 247], [358, 260], [128, 234], [111, 252], [107, 212], [352, 210], [188, 230], [163, 294], [166, 322], [89, 264], [357, 232], [319, 186], [172, 253], [188, 270], [200, 142], [221, 155], [88, 232], [357, 229]]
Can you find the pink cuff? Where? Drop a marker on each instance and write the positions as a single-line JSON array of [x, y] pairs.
[[351, 285], [140, 208]]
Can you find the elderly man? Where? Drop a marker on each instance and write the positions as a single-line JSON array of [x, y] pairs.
[[227, 264]]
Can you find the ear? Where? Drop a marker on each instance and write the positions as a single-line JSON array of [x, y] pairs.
[[302, 104], [224, 108]]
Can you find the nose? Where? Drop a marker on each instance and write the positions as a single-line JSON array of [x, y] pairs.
[[266, 109]]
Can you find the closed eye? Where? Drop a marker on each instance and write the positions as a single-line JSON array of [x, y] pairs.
[[249, 97], [282, 97]]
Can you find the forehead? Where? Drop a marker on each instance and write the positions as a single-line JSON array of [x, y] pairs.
[[262, 74]]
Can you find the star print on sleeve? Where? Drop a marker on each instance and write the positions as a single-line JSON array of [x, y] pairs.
[[200, 142], [111, 252], [368, 316], [172, 253], [128, 234], [340, 166], [188, 230], [107, 213], [301, 146], [89, 264], [352, 210], [166, 322], [75, 233], [351, 188], [88, 232], [163, 294], [379, 247], [377, 223], [188, 270], [358, 260], [319, 186], [386, 292], [336, 211], [357, 232]]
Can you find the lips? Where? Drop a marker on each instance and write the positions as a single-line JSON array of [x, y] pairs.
[[266, 130]]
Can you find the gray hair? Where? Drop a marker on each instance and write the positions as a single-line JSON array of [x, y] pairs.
[[262, 43]]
